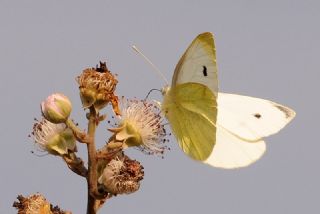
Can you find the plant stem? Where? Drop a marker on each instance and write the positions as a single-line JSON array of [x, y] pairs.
[[92, 163], [75, 164], [81, 136]]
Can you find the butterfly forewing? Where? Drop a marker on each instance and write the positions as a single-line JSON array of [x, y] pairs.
[[251, 118], [198, 63]]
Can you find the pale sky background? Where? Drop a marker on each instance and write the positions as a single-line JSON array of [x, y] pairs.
[[268, 49]]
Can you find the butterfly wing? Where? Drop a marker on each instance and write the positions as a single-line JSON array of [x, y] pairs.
[[251, 118], [190, 107], [191, 111], [232, 152], [198, 63], [242, 122]]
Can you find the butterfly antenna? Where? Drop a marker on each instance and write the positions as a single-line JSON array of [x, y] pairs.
[[154, 67], [32, 152], [154, 89]]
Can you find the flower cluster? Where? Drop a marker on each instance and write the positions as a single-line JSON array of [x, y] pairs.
[[109, 171]]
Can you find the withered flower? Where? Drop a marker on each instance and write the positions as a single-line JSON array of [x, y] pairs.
[[33, 204], [97, 87], [121, 176], [36, 203]]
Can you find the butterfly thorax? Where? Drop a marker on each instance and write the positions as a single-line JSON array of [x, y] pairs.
[[167, 99]]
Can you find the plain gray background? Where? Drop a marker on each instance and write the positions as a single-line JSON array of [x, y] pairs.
[[267, 49]]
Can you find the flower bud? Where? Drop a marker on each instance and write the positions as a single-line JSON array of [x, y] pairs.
[[56, 108]]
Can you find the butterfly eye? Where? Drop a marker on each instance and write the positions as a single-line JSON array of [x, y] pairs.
[[204, 71]]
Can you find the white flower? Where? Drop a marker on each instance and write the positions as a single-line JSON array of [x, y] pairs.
[[53, 138], [141, 126]]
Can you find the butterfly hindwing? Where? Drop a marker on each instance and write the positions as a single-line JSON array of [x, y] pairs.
[[242, 123], [251, 118], [232, 152], [191, 110]]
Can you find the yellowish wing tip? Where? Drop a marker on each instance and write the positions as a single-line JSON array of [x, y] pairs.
[[206, 37], [206, 34]]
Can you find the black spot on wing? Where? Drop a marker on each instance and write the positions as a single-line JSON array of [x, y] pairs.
[[204, 71], [257, 115]]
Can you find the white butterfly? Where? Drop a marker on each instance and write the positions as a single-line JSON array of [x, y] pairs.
[[222, 130]]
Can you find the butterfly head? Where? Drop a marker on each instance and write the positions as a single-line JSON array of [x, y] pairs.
[[165, 90]]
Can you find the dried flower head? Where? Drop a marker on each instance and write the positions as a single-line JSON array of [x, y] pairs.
[[121, 176], [53, 138], [141, 126], [97, 86], [36, 203], [33, 204]]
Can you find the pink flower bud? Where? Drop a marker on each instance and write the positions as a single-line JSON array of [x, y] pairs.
[[56, 108]]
